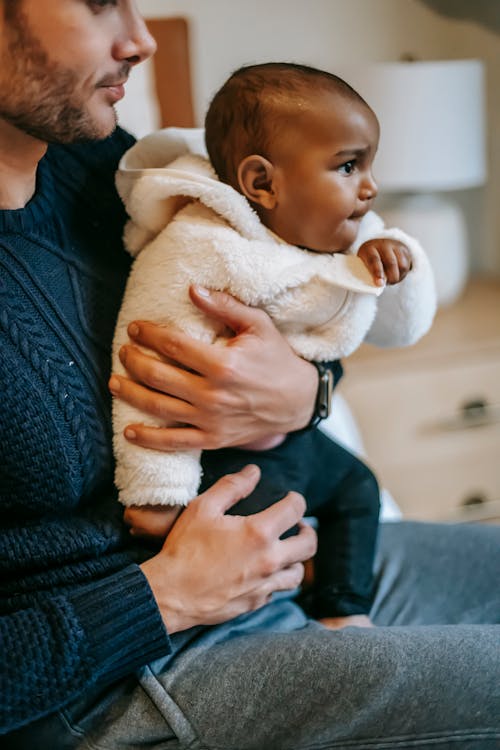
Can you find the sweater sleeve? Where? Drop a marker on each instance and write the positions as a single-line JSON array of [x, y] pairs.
[[62, 644]]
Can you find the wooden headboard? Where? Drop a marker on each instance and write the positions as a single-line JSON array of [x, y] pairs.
[[172, 71]]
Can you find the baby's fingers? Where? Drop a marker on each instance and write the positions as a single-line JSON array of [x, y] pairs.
[[396, 258], [370, 256], [391, 265], [404, 261]]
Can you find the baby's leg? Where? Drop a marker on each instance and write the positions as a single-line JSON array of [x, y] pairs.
[[343, 495]]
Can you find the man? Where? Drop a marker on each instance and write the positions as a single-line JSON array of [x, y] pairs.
[[109, 643]]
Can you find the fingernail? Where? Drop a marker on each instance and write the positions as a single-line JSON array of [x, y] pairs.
[[133, 330], [202, 291], [130, 434], [114, 385]]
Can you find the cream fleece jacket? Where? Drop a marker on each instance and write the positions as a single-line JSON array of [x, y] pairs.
[[188, 227]]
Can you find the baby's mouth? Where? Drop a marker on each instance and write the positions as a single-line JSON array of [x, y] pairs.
[[357, 215]]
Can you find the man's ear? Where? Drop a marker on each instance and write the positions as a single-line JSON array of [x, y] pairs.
[[255, 179]]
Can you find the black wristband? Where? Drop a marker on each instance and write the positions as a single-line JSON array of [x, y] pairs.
[[322, 407]]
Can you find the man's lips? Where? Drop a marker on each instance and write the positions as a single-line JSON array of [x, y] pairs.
[[116, 90], [113, 83]]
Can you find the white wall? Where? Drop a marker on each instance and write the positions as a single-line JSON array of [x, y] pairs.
[[330, 33]]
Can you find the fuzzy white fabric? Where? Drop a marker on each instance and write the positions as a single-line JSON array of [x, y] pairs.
[[187, 227]]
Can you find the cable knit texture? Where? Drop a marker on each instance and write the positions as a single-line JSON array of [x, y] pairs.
[[75, 607]]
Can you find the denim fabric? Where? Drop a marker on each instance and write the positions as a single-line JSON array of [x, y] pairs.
[[426, 677]]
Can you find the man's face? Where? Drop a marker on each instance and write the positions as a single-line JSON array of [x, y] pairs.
[[324, 172], [63, 64]]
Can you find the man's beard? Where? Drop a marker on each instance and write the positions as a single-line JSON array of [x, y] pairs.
[[40, 96]]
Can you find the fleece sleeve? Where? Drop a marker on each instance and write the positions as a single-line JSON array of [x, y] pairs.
[[405, 311]]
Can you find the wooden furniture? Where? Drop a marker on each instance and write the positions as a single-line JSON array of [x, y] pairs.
[[172, 71], [430, 414]]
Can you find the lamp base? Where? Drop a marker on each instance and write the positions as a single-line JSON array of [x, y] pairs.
[[439, 226]]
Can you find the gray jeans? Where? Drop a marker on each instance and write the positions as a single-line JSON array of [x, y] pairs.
[[427, 677]]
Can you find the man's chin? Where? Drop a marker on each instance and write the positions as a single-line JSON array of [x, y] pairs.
[[91, 130], [98, 128], [67, 130]]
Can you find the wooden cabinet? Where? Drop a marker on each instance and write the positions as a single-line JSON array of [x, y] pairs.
[[430, 414]]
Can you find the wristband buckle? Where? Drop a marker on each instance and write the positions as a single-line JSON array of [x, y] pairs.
[[323, 405]]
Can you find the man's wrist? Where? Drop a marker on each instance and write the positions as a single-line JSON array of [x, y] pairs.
[[322, 402]]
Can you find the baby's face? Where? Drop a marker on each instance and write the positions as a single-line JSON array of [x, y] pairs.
[[323, 173]]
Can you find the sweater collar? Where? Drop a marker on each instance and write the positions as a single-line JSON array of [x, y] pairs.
[[38, 210]]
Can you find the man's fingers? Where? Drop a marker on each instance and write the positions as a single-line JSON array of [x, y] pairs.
[[168, 438], [156, 404], [300, 547], [234, 314], [286, 579], [171, 343], [228, 490], [157, 374], [280, 516]]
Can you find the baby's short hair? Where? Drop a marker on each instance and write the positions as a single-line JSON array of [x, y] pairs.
[[244, 116]]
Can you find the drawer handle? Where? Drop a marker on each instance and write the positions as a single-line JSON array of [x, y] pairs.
[[476, 408], [475, 412], [474, 500], [477, 507]]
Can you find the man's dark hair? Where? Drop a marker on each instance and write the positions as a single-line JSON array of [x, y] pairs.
[[248, 112]]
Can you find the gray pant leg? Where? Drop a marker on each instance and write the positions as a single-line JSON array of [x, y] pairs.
[[273, 681], [433, 687], [429, 574], [436, 687]]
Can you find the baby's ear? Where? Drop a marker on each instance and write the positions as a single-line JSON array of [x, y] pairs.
[[255, 179]]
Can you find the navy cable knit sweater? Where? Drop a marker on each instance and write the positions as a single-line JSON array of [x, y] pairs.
[[75, 607]]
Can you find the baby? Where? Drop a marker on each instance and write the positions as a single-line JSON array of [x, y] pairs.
[[280, 217]]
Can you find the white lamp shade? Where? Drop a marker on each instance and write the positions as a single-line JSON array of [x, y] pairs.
[[432, 120]]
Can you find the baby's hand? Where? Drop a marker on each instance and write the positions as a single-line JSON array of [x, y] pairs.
[[387, 260], [335, 623], [153, 521]]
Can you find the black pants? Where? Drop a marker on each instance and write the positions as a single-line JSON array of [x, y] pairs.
[[340, 491]]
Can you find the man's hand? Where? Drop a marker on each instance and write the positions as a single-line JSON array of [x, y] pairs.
[[220, 395], [213, 566], [387, 260]]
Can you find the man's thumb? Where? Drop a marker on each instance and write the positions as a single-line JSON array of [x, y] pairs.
[[229, 489]]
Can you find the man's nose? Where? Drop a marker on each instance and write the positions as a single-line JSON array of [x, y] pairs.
[[136, 43]]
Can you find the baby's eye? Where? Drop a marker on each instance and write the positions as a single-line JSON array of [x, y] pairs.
[[348, 167]]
